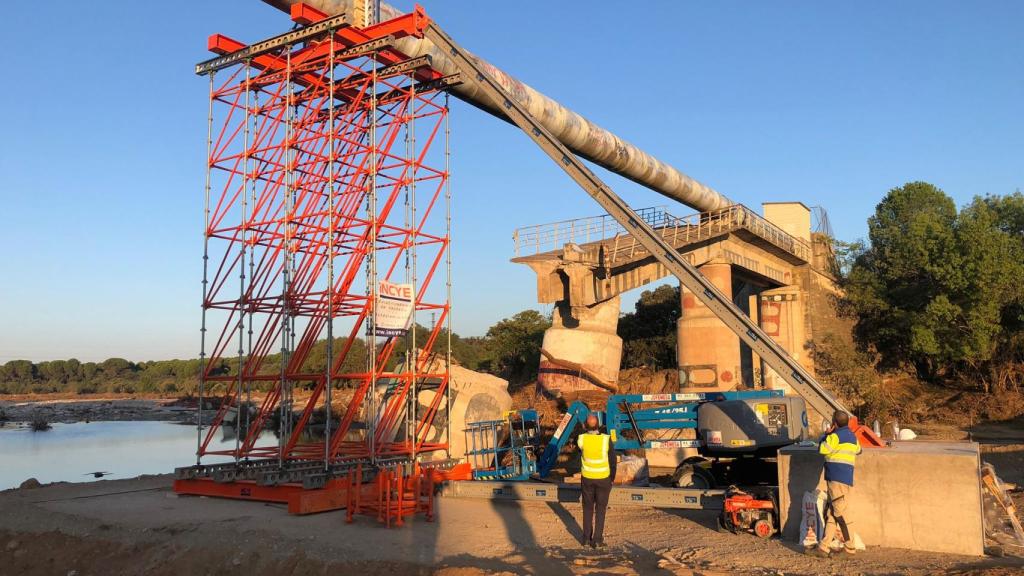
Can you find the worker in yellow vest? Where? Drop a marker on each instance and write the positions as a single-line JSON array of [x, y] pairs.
[[598, 454], [840, 448]]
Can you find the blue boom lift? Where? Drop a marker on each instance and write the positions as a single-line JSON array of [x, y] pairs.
[[728, 425], [725, 424]]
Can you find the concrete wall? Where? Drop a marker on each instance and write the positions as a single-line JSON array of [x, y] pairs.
[[793, 217], [915, 495]]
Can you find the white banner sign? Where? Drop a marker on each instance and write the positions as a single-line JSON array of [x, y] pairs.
[[394, 308]]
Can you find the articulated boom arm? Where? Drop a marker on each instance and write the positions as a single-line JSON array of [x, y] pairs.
[[819, 399], [577, 413]]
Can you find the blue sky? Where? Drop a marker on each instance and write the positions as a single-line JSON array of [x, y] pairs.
[[101, 160]]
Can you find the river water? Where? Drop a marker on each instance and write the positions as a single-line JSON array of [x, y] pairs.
[[71, 452]]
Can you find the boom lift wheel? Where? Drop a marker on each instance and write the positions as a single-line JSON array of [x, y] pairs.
[[692, 474]]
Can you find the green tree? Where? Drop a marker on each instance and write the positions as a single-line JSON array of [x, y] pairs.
[[649, 332], [900, 285], [934, 288], [114, 367], [515, 342], [53, 371], [74, 370], [89, 371], [21, 371]]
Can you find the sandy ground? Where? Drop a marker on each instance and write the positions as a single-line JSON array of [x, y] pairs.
[[139, 526]]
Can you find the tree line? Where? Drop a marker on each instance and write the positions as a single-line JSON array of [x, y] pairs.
[[510, 349]]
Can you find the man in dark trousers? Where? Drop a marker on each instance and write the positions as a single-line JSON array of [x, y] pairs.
[[598, 453], [840, 448]]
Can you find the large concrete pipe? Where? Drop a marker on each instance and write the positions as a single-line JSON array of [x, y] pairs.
[[579, 134]]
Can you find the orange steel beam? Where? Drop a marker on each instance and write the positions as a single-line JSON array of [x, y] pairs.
[[299, 500], [411, 24], [304, 14]]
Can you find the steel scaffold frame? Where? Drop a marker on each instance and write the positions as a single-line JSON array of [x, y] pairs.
[[314, 138]]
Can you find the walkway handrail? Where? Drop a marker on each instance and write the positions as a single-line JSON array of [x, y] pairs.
[[680, 231]]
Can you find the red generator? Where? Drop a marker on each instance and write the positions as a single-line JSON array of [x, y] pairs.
[[746, 511]]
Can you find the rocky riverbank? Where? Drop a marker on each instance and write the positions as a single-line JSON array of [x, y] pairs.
[[79, 410]]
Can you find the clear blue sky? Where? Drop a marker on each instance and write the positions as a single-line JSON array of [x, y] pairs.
[[101, 159]]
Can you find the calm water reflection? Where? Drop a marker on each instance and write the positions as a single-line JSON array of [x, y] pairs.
[[70, 451]]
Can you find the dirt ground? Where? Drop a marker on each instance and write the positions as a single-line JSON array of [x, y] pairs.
[[139, 526]]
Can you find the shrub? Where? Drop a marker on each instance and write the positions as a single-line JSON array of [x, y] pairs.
[[39, 424]]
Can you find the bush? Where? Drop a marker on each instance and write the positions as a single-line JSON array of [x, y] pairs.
[[851, 374], [39, 424]]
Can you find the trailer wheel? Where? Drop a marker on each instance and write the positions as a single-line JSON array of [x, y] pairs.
[[692, 475], [764, 528]]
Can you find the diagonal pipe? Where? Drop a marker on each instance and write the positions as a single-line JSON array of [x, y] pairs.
[[580, 135]]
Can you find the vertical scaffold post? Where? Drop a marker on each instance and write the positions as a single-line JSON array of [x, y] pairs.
[[372, 281], [331, 228], [206, 264], [448, 276]]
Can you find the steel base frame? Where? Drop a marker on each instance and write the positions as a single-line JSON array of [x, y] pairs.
[[649, 497], [300, 500]]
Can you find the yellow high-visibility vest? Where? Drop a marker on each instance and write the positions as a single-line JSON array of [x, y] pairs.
[[595, 455], [838, 452]]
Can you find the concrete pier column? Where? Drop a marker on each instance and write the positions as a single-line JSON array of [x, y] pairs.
[[782, 316], [708, 351], [585, 335]]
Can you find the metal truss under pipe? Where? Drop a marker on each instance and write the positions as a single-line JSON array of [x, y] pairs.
[[579, 134]]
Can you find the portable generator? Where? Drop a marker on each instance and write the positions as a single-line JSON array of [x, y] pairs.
[[757, 513]]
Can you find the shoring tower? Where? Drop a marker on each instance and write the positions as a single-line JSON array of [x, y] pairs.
[[327, 183]]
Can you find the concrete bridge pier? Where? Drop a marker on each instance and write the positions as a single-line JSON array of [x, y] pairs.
[[585, 335], [783, 317], [707, 351]]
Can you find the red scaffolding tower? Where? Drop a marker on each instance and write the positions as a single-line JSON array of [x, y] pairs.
[[327, 184]]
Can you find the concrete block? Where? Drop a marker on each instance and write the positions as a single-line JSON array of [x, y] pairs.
[[915, 495]]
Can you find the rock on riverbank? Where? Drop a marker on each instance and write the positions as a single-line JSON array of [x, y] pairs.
[[69, 411]]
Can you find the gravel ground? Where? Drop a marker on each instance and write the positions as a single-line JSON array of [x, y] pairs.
[[139, 526]]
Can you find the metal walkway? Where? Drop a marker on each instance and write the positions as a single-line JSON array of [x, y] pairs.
[[605, 242]]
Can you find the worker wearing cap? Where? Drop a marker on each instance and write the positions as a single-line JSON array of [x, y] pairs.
[[598, 455], [840, 449]]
